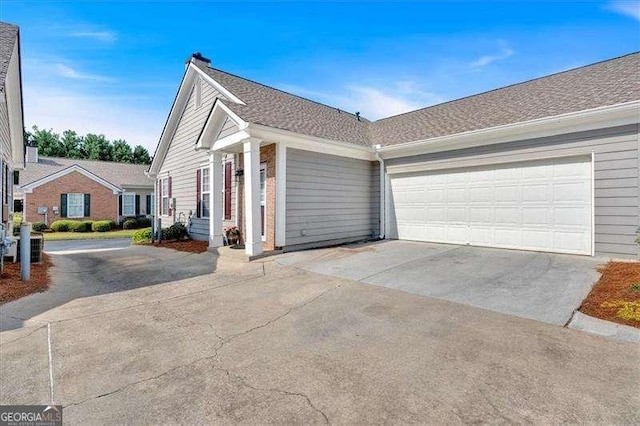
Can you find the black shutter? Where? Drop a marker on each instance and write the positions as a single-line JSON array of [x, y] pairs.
[[137, 205], [148, 204], [63, 205], [120, 205], [87, 205]]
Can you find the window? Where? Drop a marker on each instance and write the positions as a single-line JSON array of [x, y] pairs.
[[75, 205], [165, 196], [151, 204], [205, 201], [129, 204]]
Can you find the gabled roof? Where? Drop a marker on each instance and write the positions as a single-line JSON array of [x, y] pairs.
[[8, 38], [74, 168], [605, 83], [118, 174], [281, 110]]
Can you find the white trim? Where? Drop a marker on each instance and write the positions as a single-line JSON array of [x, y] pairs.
[[227, 142], [383, 220], [263, 218], [216, 239], [596, 118], [593, 203], [281, 194], [202, 193], [251, 159], [219, 87], [214, 124], [127, 194], [483, 162], [68, 216], [27, 189], [311, 143]]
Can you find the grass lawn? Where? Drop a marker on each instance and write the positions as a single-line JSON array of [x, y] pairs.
[[120, 233], [616, 296]]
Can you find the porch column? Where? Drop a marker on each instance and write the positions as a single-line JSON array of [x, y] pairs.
[[215, 203], [253, 225]]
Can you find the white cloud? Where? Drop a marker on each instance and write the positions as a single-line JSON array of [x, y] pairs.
[[374, 102], [628, 8], [504, 52], [68, 72], [103, 36], [116, 117]]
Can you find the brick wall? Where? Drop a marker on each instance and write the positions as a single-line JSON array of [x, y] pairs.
[[104, 203], [268, 156]]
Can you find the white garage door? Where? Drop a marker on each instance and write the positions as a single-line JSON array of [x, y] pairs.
[[538, 205]]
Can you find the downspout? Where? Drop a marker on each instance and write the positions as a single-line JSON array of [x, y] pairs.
[[383, 210]]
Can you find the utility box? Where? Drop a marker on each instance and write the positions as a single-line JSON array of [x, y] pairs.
[[42, 210]]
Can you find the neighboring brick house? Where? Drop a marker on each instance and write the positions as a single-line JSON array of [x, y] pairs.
[[550, 165], [11, 117], [52, 188]]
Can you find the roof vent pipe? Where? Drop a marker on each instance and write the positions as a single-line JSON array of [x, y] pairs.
[[358, 115]]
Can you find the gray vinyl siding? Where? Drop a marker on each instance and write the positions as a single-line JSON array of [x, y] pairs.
[[228, 128], [199, 229], [330, 199], [615, 176], [182, 162]]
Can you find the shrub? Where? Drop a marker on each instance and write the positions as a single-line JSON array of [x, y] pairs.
[[141, 236], [177, 231], [80, 225], [39, 226], [102, 225], [144, 222], [60, 226], [130, 224]]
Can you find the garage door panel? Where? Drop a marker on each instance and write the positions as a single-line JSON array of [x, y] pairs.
[[542, 205]]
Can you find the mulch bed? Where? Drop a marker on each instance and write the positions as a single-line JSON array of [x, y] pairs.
[[190, 246], [12, 288], [613, 291]]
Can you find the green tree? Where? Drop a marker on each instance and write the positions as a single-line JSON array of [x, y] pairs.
[[48, 142], [121, 152], [141, 155], [96, 147], [71, 143]]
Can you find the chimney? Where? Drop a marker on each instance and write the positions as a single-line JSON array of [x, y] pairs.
[[32, 154], [198, 59]]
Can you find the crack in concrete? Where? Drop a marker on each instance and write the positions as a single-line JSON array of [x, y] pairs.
[[214, 357], [281, 391], [22, 337]]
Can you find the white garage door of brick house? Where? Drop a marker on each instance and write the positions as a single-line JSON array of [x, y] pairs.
[[541, 205]]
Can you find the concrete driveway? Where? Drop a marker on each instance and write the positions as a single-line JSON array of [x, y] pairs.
[[541, 286], [264, 343]]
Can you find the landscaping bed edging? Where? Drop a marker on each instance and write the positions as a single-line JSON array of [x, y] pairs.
[[625, 333]]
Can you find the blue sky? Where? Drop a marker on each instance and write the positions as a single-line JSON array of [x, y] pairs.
[[114, 67]]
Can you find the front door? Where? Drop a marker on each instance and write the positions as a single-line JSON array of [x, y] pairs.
[[263, 196]]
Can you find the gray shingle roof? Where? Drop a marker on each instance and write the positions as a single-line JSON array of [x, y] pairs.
[[605, 83], [275, 108], [8, 37], [118, 174]]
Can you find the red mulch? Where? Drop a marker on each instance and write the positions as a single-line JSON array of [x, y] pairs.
[[614, 284], [190, 246], [12, 288]]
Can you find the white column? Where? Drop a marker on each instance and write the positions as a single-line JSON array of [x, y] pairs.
[[281, 193], [215, 204], [253, 229]]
